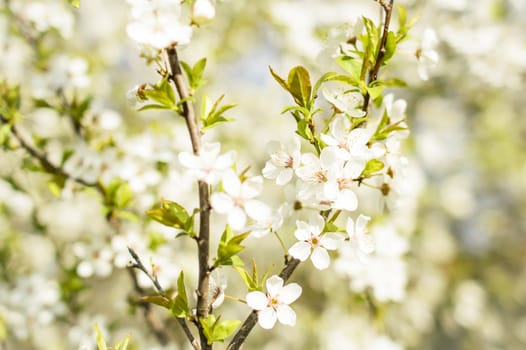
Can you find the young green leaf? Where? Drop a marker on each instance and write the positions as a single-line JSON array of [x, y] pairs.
[[390, 47], [101, 343], [180, 306], [229, 246], [173, 215], [280, 80], [351, 65], [215, 330], [304, 130], [74, 3], [123, 344], [300, 86], [215, 115], [158, 300], [372, 166]]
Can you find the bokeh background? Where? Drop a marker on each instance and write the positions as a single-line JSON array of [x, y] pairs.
[[451, 275]]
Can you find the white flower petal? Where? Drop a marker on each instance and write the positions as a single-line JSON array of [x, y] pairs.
[[347, 200], [237, 218], [320, 258], [267, 318], [303, 231], [221, 202], [286, 315], [366, 244], [257, 210], [361, 223], [300, 250], [188, 160], [232, 184], [252, 187], [257, 300], [274, 285], [289, 293], [331, 240], [350, 227], [284, 177], [317, 222], [270, 171]]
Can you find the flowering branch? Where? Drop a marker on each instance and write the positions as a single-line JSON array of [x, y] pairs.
[[252, 319], [203, 240]]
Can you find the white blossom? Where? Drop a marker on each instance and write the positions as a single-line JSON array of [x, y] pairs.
[[156, 23], [312, 242], [283, 161], [426, 53], [203, 11], [360, 241], [209, 165], [345, 101], [274, 305], [237, 200]]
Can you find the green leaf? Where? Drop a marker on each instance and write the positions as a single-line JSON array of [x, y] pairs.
[[123, 195], [280, 80], [56, 184], [351, 65], [372, 166], [300, 86], [173, 215], [325, 77], [101, 343], [304, 130], [123, 344], [224, 329], [74, 3], [158, 300], [125, 215], [162, 94], [215, 115], [251, 280], [195, 74], [217, 331], [229, 246], [375, 89], [180, 306], [390, 47], [402, 16], [5, 132]]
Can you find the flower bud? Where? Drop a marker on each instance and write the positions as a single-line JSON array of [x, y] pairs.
[[203, 11]]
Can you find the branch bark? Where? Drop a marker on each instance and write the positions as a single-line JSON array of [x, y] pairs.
[[203, 240], [373, 74]]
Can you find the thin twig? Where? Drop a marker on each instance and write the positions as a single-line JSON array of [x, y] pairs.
[[373, 74], [251, 320], [152, 321], [137, 263], [46, 163], [203, 240]]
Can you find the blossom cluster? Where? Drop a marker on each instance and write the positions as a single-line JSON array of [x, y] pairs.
[[323, 196]]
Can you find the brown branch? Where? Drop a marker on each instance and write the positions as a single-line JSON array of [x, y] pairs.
[[251, 320], [387, 5], [45, 162], [203, 240]]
